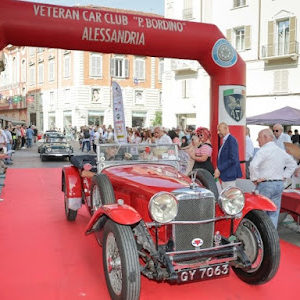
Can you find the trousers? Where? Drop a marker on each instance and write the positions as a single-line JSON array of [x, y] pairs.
[[273, 191]]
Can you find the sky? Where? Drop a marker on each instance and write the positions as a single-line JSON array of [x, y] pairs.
[[150, 6]]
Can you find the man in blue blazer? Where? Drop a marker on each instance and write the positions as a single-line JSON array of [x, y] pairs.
[[228, 165]]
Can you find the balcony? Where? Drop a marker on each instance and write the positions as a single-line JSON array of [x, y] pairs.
[[187, 14], [280, 50], [179, 65]]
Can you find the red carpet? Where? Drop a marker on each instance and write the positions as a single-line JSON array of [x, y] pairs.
[[44, 257]]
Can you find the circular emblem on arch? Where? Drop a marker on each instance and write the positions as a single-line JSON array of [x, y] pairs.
[[223, 54]]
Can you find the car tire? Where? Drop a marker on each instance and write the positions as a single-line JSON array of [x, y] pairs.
[[261, 244], [43, 158], [121, 262], [70, 213], [208, 181], [102, 192]]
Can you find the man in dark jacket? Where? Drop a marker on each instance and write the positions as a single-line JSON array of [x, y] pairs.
[[228, 165]]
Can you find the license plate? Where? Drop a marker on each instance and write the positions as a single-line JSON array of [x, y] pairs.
[[203, 273]]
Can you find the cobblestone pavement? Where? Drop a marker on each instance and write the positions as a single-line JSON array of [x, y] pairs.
[[30, 158]]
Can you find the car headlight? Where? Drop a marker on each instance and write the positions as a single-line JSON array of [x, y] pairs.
[[48, 150], [163, 207], [231, 200]]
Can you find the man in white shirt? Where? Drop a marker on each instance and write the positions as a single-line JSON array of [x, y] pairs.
[[269, 168], [280, 136], [161, 137]]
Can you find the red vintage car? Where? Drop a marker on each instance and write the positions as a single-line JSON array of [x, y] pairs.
[[153, 220]]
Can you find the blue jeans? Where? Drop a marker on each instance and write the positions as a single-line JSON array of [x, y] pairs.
[[88, 146], [273, 191]]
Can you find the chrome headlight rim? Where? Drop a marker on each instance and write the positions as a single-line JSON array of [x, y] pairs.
[[48, 150], [225, 200], [154, 202]]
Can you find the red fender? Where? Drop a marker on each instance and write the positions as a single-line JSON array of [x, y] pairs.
[[121, 214], [72, 181], [253, 201]]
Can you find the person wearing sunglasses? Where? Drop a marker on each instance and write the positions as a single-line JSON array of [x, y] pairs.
[[280, 136]]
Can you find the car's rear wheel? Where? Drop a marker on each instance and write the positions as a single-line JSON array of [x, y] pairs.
[[70, 213], [121, 262], [261, 245]]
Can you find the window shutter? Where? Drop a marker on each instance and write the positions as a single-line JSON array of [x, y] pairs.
[[292, 46], [270, 46], [126, 68], [112, 67], [276, 81], [247, 37], [228, 34]]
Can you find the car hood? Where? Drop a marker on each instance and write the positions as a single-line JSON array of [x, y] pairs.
[[149, 178]]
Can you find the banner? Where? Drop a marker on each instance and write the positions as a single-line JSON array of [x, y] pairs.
[[119, 116]]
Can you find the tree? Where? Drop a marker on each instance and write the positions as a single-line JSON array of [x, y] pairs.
[[158, 119]]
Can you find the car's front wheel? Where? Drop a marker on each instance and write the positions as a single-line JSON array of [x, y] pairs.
[[261, 244], [121, 262], [102, 192]]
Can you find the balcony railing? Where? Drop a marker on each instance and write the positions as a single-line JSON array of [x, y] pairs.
[[280, 50]]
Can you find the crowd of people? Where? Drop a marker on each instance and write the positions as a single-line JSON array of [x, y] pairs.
[[267, 168]]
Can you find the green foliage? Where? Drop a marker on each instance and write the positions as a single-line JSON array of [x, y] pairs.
[[158, 119]]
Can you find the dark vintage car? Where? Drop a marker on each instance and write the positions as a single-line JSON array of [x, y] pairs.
[[55, 145], [152, 220]]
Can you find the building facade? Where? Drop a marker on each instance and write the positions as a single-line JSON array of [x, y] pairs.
[[56, 88], [264, 33]]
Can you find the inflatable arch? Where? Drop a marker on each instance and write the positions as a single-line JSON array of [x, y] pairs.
[[79, 28]]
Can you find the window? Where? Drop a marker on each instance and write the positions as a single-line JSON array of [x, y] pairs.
[[23, 71], [51, 98], [95, 65], [67, 63], [139, 99], [51, 72], [240, 39], [32, 74], [67, 96], [139, 68], [14, 67], [187, 12], [239, 3], [283, 36], [119, 67], [41, 72], [185, 88], [160, 69]]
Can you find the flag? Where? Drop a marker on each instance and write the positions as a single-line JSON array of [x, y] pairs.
[[118, 114]]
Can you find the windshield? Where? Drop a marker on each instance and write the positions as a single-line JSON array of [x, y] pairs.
[[131, 152], [56, 140]]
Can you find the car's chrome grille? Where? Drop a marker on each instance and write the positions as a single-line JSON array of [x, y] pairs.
[[59, 150], [194, 209]]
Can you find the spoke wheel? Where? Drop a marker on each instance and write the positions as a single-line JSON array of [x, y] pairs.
[[121, 262], [261, 245], [102, 193]]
